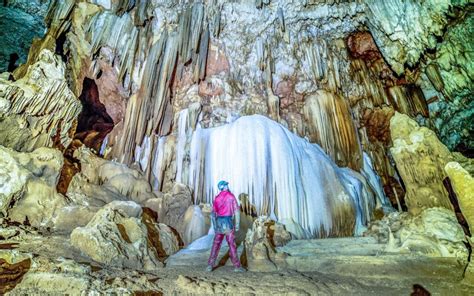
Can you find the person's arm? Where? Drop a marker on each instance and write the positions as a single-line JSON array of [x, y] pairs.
[[213, 219], [237, 220]]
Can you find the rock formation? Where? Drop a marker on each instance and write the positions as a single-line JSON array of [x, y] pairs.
[[463, 184], [115, 239], [28, 186], [434, 232], [329, 119], [261, 243], [420, 159]]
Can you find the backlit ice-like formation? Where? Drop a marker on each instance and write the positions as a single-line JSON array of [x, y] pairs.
[[284, 175]]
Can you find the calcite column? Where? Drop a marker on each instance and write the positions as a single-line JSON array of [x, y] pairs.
[[420, 159]]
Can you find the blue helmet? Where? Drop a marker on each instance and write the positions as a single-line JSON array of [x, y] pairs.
[[222, 185]]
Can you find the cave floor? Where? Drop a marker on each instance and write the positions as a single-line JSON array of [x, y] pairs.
[[57, 269]]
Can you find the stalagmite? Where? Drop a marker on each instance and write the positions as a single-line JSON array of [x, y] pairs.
[[374, 180], [283, 175], [420, 159]]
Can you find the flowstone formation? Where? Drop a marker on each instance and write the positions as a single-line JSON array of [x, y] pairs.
[[344, 129]]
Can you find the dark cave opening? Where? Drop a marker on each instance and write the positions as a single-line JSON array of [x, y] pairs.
[[12, 63], [60, 42], [94, 123], [464, 149]]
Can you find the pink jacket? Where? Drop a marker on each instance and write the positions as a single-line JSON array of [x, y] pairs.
[[225, 204]]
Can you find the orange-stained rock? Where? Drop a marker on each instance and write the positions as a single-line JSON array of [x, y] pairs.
[[377, 123], [285, 90], [362, 45], [12, 274], [112, 93], [69, 170], [216, 61]]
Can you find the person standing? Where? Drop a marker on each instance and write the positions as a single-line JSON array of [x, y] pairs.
[[225, 211]]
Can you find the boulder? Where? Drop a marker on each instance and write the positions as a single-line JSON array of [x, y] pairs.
[[261, 242], [113, 238], [174, 207], [435, 232], [195, 224], [28, 185], [101, 182]]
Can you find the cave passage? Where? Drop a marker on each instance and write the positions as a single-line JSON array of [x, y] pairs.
[[94, 123]]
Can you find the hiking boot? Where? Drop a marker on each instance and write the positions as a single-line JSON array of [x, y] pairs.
[[209, 268], [239, 269]]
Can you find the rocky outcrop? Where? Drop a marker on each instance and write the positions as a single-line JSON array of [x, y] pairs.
[[13, 269], [449, 70], [114, 238], [404, 42], [28, 186], [434, 232], [174, 208], [38, 110], [101, 181], [420, 159], [261, 242]]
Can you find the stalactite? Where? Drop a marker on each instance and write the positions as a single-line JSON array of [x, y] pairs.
[[260, 3], [331, 125], [141, 12], [316, 56], [125, 6], [432, 71], [150, 113], [408, 100], [58, 12], [281, 19], [118, 33], [372, 89]]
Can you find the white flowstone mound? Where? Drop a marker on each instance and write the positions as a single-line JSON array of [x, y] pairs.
[[284, 175]]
